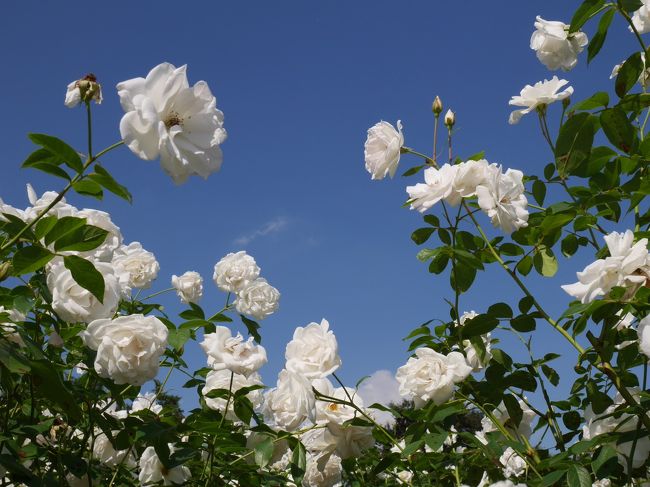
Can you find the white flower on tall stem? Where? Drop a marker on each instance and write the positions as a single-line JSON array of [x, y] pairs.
[[189, 286], [513, 464], [258, 299], [135, 266], [291, 402], [167, 119], [235, 271], [438, 185], [471, 354], [541, 93], [233, 352], [502, 198], [555, 47], [641, 18], [85, 89], [383, 148], [313, 352]]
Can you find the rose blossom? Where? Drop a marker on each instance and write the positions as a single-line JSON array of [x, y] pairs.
[[431, 376], [471, 354], [128, 347], [541, 94], [502, 198], [469, 175], [104, 451], [313, 352], [382, 149], [167, 119], [189, 287], [84, 89], [146, 401], [438, 185], [235, 271], [291, 402], [554, 46], [258, 299], [233, 353], [225, 379], [333, 412], [9, 329], [322, 470], [74, 303], [152, 470], [39, 205], [135, 266], [113, 240], [641, 18], [513, 464]]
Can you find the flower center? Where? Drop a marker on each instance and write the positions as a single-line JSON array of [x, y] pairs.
[[173, 119], [333, 406]]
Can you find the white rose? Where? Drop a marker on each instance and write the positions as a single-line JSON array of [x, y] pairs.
[[146, 401], [113, 240], [333, 412], [83, 89], [128, 347], [500, 413], [382, 149], [225, 379], [323, 470], [152, 470], [233, 353], [291, 402], [602, 483], [542, 93], [39, 205], [350, 440], [431, 376], [72, 95], [469, 175], [643, 331], [135, 266], [471, 354], [235, 271], [189, 287], [104, 452], [513, 464], [258, 299], [502, 198], [438, 185], [9, 328], [641, 18], [554, 46], [167, 119], [73, 303], [313, 352], [10, 210]]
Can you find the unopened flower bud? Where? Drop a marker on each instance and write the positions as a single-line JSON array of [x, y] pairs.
[[566, 102], [437, 106], [85, 89], [5, 270], [450, 119]]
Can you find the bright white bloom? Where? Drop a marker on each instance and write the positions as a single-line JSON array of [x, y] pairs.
[[235, 271], [472, 356], [103, 451], [525, 428], [502, 198], [167, 119], [382, 149], [152, 470], [39, 205], [541, 94], [641, 18], [128, 347], [233, 352], [110, 407], [431, 376], [146, 401], [644, 336], [135, 266], [313, 352], [323, 470], [258, 299], [221, 379], [627, 266], [73, 303], [405, 477], [113, 240], [438, 185], [350, 441], [9, 328], [291, 402], [555, 47], [602, 483], [83, 89], [189, 287], [469, 175], [332, 412], [513, 464], [10, 210]]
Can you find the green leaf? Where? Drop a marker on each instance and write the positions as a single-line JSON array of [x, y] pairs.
[[569, 245], [62, 227], [413, 170], [522, 380], [44, 225], [48, 382], [525, 265], [86, 275], [60, 149], [30, 259], [634, 103], [552, 478], [462, 277], [523, 323], [177, 338], [13, 359], [618, 129], [252, 327], [545, 262], [578, 476], [500, 310], [631, 5], [551, 374], [539, 191], [479, 325], [599, 37], [87, 187], [574, 142], [81, 239], [49, 168], [572, 420], [421, 235], [584, 12], [605, 463], [597, 100], [629, 74], [513, 408], [264, 451], [298, 463], [102, 177]]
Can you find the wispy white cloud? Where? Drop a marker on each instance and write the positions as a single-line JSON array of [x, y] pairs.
[[381, 387], [274, 226]]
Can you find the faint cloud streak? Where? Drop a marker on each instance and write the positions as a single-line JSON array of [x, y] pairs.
[[381, 387], [274, 226]]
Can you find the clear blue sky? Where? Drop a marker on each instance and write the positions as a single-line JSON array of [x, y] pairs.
[[299, 84]]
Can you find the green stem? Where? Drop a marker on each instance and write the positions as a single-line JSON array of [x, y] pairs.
[[90, 130], [428, 160], [435, 137], [523, 287], [157, 294]]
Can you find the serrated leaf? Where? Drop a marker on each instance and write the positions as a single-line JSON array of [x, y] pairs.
[[60, 149], [578, 476], [86, 275]]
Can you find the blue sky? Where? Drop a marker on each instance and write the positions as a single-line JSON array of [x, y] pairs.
[[299, 84]]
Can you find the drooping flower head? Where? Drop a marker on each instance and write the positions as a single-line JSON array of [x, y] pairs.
[[382, 149], [555, 47]]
